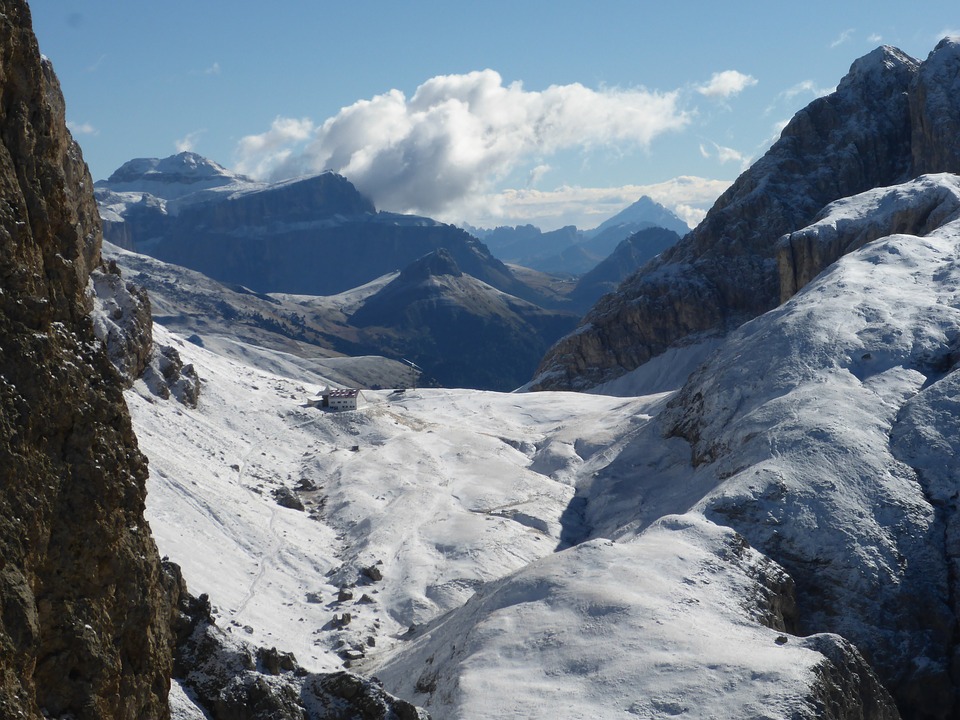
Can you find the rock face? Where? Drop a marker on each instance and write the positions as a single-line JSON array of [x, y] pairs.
[[890, 119], [84, 629]]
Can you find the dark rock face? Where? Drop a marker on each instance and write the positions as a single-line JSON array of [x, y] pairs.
[[890, 119], [846, 688], [84, 629]]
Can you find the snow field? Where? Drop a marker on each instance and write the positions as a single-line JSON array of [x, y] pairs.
[[434, 488]]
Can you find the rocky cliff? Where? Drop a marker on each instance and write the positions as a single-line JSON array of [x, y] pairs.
[[84, 629], [890, 119]]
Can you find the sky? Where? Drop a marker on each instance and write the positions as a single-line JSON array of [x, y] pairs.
[[495, 113]]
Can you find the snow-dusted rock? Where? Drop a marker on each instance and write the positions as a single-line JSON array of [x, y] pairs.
[[792, 421], [913, 208], [685, 619], [890, 119]]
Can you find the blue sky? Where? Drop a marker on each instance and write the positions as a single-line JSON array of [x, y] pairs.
[[496, 113]]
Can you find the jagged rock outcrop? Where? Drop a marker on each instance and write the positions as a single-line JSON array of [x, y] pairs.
[[890, 119], [231, 680], [122, 321], [84, 628]]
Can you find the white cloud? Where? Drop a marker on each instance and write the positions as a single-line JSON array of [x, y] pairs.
[[456, 136], [260, 155], [947, 32], [843, 37], [725, 155], [81, 128], [726, 84], [536, 175], [188, 142], [689, 197], [874, 38]]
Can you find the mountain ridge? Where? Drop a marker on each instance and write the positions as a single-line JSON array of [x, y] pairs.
[[724, 272]]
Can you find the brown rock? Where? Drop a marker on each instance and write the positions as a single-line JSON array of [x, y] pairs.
[[85, 624]]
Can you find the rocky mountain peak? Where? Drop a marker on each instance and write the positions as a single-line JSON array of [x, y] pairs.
[[881, 65]]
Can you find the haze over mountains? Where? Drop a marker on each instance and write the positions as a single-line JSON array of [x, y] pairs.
[[573, 251], [763, 524]]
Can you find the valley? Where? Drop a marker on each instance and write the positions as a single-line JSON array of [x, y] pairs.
[[631, 471]]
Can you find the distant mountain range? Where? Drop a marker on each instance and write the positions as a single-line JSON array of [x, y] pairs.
[[571, 251], [310, 267], [314, 236]]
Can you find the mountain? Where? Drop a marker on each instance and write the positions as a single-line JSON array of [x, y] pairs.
[[574, 252], [311, 236], [645, 212], [874, 130], [460, 330], [771, 535], [312, 334], [85, 628], [629, 256]]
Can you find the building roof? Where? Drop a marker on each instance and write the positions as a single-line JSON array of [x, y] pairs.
[[342, 393]]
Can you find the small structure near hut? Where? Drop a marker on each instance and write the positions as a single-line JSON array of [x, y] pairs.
[[336, 399]]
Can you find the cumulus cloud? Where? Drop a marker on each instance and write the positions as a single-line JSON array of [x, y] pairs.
[[213, 69], [874, 38], [726, 84], [689, 197], [83, 128], [261, 155], [456, 136]]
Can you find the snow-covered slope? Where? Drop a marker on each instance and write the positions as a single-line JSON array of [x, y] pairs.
[[565, 550], [672, 623], [432, 551], [447, 489]]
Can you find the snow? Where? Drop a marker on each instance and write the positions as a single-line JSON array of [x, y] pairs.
[[585, 555], [653, 627], [437, 485]]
